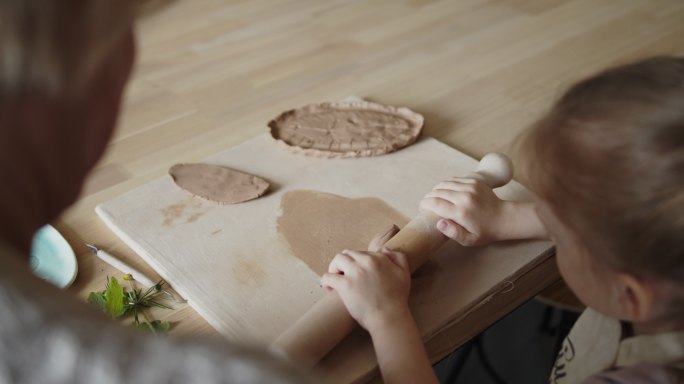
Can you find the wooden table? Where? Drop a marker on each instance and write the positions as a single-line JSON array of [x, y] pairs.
[[211, 73]]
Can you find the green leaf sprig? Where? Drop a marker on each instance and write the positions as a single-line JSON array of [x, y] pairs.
[[118, 302]]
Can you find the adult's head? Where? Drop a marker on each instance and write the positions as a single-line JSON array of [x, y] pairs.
[[63, 67]]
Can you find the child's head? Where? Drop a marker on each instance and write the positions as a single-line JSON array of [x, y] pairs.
[[608, 164]]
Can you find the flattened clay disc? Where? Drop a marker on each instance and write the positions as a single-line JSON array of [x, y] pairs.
[[346, 129], [217, 183]]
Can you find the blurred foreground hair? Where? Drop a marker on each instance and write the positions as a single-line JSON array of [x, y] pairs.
[[53, 47]]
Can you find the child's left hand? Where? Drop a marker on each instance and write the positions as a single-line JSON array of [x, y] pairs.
[[471, 213], [374, 286]]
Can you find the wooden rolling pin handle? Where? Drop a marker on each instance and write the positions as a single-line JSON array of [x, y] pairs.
[[328, 322]]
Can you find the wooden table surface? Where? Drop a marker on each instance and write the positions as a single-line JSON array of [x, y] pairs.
[[211, 73]]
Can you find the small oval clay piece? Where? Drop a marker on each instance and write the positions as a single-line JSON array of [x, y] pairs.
[[355, 128], [219, 184]]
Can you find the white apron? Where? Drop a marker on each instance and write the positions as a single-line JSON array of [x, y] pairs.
[[596, 344]]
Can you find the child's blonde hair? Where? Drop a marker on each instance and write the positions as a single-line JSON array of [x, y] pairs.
[[609, 159], [52, 47]]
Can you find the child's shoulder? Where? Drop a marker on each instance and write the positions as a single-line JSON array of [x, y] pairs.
[[597, 351], [644, 373]]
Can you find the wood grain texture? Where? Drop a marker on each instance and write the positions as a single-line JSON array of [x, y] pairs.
[[211, 73]]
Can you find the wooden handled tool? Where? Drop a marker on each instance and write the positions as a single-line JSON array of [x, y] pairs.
[[322, 327]]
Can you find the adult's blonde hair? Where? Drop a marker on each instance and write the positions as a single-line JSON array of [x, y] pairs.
[[53, 47]]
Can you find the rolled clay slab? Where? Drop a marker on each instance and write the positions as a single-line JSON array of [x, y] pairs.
[[219, 184], [355, 128]]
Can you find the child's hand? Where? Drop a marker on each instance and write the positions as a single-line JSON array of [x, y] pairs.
[[471, 213], [374, 286]]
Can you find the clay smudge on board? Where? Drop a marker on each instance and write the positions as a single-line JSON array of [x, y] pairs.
[[193, 217], [248, 272], [172, 212], [317, 225], [216, 232], [193, 209]]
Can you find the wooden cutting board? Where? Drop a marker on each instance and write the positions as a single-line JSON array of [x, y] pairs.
[[241, 276]]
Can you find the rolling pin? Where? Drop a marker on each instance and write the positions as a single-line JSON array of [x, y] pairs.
[[327, 322]]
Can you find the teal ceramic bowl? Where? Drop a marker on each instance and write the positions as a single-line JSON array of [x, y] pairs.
[[52, 258]]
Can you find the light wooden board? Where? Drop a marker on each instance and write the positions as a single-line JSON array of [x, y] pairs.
[[235, 270]]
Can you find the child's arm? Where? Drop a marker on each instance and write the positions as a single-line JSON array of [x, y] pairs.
[[374, 287], [473, 215]]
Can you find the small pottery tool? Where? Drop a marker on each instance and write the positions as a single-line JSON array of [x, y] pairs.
[[127, 269]]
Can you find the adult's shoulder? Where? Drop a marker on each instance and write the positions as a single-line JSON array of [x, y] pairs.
[[49, 335]]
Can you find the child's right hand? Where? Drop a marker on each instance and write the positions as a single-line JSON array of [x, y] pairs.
[[471, 213], [374, 286]]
